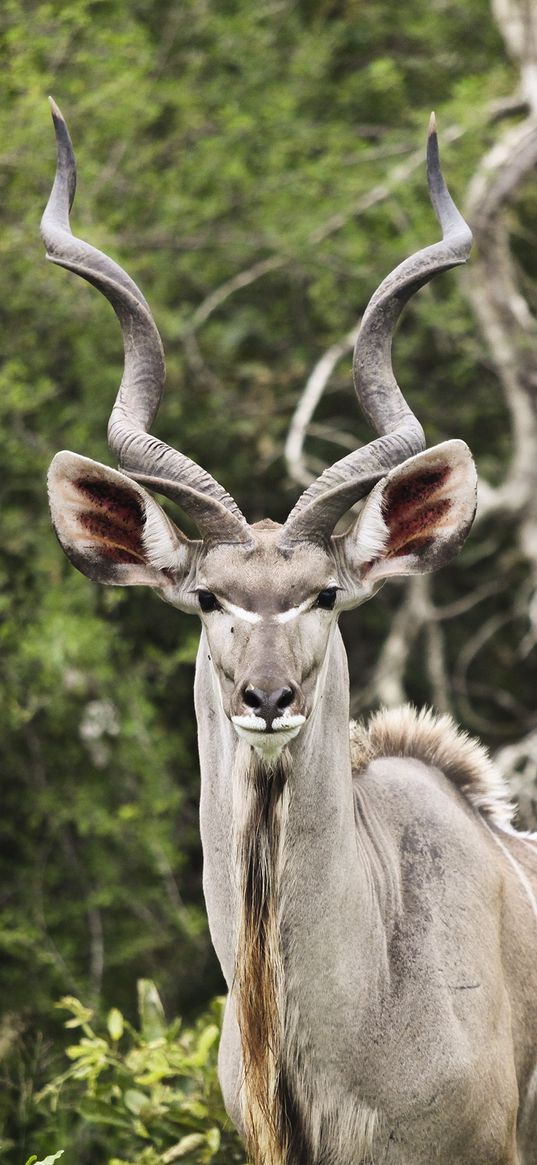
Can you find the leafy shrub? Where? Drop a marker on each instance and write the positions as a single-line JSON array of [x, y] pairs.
[[47, 1160], [154, 1091]]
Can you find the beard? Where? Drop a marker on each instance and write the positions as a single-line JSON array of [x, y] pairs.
[[261, 795]]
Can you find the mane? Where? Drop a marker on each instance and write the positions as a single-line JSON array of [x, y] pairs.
[[288, 1116], [261, 792], [437, 741]]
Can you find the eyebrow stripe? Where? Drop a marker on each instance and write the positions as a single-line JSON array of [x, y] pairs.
[[292, 612], [255, 617], [241, 613]]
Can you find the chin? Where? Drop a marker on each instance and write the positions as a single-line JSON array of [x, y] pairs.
[[268, 745]]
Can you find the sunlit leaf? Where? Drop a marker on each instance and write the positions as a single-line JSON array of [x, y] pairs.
[[46, 1160], [135, 1101], [150, 1010], [115, 1024], [214, 1138], [207, 1039], [100, 1112], [185, 1145]]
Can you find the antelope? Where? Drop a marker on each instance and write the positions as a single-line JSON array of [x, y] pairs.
[[373, 910]]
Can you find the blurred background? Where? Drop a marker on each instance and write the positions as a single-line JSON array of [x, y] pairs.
[[257, 168]]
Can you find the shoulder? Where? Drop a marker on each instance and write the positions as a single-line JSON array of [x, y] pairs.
[[437, 742]]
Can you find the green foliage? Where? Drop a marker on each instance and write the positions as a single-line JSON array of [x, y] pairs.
[[227, 155], [149, 1093], [47, 1160]]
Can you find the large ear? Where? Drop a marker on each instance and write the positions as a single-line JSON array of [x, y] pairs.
[[417, 517], [113, 530]]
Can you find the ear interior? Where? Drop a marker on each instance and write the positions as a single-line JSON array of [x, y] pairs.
[[418, 517], [110, 527], [112, 517]]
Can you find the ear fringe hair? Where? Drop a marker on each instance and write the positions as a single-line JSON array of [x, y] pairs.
[[372, 533], [161, 538], [437, 741]]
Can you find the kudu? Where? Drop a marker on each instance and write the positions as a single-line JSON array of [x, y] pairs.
[[373, 911]]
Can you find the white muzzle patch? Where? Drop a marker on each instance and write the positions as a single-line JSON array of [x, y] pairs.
[[268, 745]]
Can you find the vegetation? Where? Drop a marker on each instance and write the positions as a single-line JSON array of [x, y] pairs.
[[155, 1086], [257, 168]]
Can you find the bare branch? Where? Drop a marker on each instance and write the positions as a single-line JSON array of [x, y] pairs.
[[96, 968], [517, 21], [307, 404], [236, 283], [518, 762], [502, 311], [467, 602], [328, 433], [320, 375], [435, 656], [335, 223], [471, 650], [396, 178], [389, 675], [497, 300]]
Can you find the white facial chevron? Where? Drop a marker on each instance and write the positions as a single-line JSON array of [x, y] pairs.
[[242, 613]]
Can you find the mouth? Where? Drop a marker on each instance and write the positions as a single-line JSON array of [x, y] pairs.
[[268, 742]]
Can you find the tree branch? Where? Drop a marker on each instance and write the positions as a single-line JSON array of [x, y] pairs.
[[262, 267], [307, 404], [320, 375]]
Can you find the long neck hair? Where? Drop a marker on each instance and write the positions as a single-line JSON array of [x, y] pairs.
[[288, 1120], [261, 798]]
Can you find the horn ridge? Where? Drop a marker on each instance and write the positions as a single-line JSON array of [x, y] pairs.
[[379, 395], [213, 519], [345, 485], [143, 377], [62, 246]]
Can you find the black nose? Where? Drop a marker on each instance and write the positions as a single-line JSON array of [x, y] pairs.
[[268, 705]]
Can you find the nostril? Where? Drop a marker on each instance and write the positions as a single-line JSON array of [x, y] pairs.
[[266, 704], [252, 698], [284, 698]]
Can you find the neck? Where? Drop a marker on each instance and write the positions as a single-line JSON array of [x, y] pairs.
[[319, 826], [285, 891]]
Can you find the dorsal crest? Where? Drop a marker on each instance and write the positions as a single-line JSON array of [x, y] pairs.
[[437, 741]]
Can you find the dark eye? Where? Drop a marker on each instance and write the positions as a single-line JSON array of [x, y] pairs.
[[208, 601], [327, 598]]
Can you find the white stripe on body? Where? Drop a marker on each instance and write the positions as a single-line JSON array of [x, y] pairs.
[[522, 877]]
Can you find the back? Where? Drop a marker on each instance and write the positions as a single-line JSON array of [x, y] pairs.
[[463, 936]]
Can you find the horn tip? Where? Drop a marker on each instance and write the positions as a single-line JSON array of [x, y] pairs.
[[432, 125], [60, 127], [55, 110]]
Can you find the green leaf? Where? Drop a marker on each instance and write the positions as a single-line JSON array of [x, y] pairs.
[[213, 1139], [151, 1011], [81, 1014], [115, 1024], [47, 1160], [155, 1066], [135, 1101], [196, 1109], [184, 1146], [101, 1112], [208, 1037]]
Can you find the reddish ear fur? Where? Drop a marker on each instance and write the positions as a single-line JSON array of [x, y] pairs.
[[110, 527], [417, 518]]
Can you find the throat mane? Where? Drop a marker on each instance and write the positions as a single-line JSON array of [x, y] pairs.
[[290, 1116], [261, 799]]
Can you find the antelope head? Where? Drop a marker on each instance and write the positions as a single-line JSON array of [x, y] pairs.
[[268, 595]]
